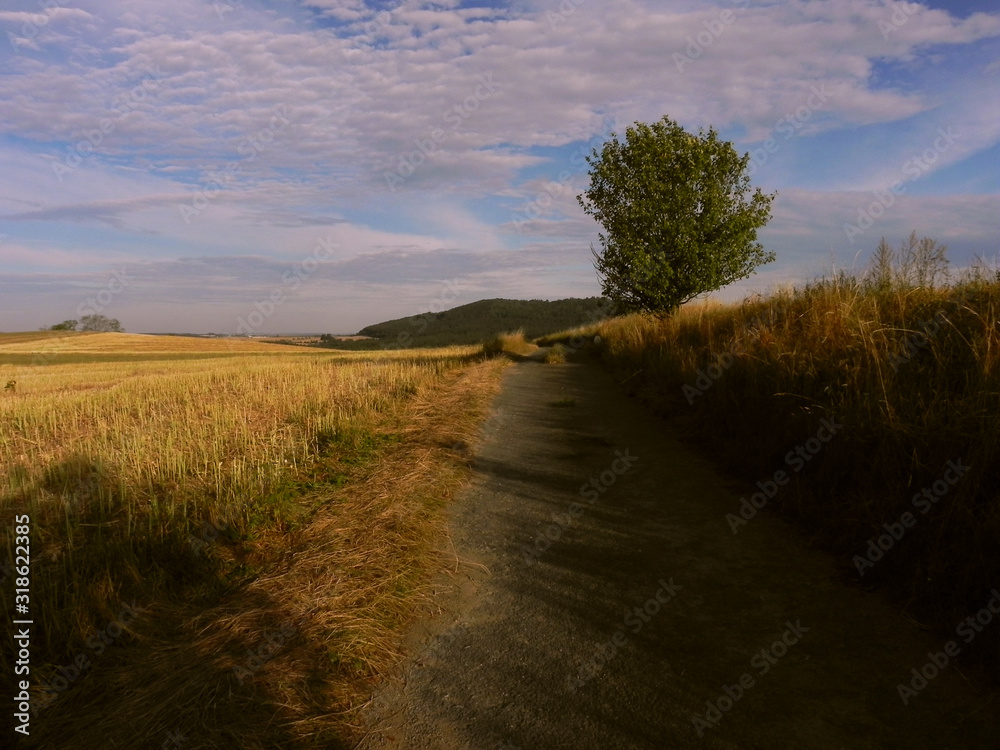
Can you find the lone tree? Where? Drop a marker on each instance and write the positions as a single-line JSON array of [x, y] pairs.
[[678, 216], [100, 323]]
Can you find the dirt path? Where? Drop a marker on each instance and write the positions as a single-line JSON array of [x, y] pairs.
[[549, 650]]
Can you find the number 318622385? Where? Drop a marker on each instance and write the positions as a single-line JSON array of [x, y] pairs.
[[23, 559]]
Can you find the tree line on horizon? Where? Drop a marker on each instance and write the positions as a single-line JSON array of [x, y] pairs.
[[88, 323], [478, 321]]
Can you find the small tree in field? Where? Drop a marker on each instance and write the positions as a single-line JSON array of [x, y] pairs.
[[101, 324], [679, 219]]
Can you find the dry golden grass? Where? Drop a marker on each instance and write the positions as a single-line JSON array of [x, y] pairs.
[[326, 473], [556, 355], [7, 339], [60, 342], [513, 343], [912, 374]]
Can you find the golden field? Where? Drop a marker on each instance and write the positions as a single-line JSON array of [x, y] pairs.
[[229, 490]]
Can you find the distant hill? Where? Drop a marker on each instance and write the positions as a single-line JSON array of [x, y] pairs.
[[478, 321]]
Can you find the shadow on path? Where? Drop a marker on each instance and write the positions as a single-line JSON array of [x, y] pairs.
[[613, 616]]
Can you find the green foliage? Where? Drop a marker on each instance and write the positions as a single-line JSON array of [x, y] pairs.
[[479, 321], [678, 216], [94, 323], [101, 324]]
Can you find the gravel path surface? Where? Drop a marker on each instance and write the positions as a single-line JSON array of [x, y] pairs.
[[642, 621]]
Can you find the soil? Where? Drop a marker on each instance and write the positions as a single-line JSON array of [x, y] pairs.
[[640, 620]]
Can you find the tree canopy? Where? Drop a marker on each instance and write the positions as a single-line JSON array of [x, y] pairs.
[[678, 215], [97, 323], [100, 323]]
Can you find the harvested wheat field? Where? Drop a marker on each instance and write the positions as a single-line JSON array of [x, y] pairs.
[[226, 536]]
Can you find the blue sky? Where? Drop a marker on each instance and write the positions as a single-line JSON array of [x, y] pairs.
[[320, 166]]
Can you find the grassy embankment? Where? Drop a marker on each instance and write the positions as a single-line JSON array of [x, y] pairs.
[[912, 374], [273, 516], [512, 343]]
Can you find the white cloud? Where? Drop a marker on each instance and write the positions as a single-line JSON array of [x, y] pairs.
[[309, 110], [43, 17]]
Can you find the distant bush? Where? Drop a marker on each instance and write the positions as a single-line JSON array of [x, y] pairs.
[[556, 355], [507, 343]]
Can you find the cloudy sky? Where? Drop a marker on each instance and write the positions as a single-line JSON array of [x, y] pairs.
[[316, 166]]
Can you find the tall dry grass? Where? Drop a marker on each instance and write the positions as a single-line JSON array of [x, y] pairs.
[[172, 478], [512, 343], [911, 373]]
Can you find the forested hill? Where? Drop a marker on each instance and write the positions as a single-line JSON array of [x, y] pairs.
[[478, 321]]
